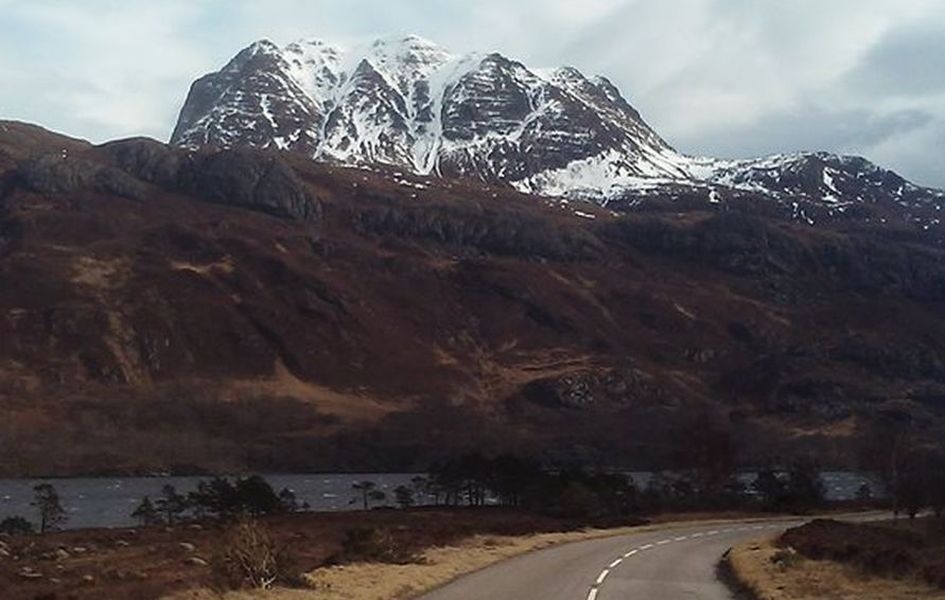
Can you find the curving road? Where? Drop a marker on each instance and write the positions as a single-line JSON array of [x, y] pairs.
[[678, 562]]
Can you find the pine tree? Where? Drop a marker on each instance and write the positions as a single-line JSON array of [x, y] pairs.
[[51, 514], [146, 513]]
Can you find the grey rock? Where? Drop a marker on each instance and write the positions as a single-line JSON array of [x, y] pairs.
[[245, 177], [146, 159], [60, 173], [29, 573], [250, 179]]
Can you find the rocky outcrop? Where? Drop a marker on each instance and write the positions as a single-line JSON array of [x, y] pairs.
[[147, 159], [748, 245], [61, 173], [246, 178], [478, 230], [594, 389], [249, 179]]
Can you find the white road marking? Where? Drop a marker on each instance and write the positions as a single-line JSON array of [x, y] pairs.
[[595, 588]]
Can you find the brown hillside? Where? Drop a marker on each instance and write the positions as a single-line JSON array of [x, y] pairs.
[[161, 310]]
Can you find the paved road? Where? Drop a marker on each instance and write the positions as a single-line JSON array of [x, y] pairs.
[[669, 564]]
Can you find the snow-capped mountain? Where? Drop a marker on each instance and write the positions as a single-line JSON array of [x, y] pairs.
[[409, 103]]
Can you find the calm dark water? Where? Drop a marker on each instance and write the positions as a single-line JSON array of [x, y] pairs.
[[108, 502]]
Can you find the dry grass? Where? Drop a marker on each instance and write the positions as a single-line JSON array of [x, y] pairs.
[[771, 573], [222, 266], [98, 273], [348, 406], [435, 567]]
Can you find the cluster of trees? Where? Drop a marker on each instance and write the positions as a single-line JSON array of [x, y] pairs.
[[913, 472], [48, 505], [474, 480], [703, 475], [220, 498], [368, 495], [797, 489], [919, 483]]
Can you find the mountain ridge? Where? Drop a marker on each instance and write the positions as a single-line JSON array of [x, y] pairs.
[[408, 103]]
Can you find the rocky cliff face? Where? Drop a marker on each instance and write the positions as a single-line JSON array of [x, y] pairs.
[[167, 309], [247, 178], [409, 104]]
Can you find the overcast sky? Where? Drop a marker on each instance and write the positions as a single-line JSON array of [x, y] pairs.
[[731, 78]]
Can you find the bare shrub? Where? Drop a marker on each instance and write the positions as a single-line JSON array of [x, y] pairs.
[[248, 557]]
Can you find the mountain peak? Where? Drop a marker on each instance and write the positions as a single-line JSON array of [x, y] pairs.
[[412, 41], [406, 101]]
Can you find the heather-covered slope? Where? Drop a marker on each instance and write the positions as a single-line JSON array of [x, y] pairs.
[[163, 309]]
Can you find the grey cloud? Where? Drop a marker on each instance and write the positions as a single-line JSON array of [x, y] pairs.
[[809, 128], [906, 62]]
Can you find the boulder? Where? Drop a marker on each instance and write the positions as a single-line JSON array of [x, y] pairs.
[[29, 573]]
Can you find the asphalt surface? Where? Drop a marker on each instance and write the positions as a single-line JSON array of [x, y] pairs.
[[677, 562]]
